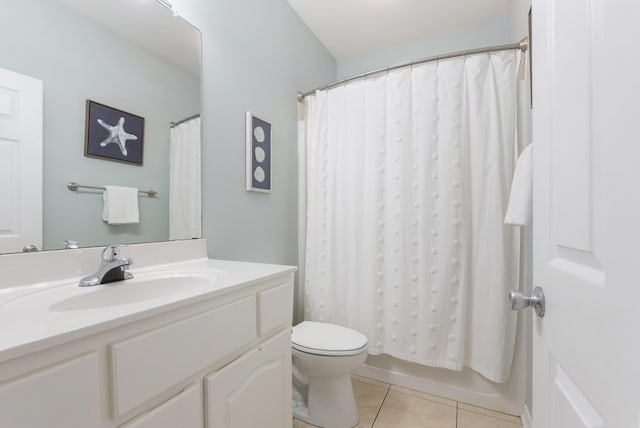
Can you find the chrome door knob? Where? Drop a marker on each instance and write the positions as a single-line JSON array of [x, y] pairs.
[[520, 300]]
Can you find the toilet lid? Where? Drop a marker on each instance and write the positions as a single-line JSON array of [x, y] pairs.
[[327, 339]]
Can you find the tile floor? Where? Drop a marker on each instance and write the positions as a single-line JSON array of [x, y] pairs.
[[381, 405]]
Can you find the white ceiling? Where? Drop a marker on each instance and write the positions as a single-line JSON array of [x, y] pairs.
[[148, 24], [352, 27]]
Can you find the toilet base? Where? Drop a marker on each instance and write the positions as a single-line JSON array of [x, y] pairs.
[[300, 396], [330, 402]]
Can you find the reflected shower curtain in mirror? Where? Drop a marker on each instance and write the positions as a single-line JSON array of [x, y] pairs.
[[184, 187], [407, 181]]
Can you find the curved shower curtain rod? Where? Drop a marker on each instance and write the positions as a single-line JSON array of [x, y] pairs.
[[180, 122], [523, 46]]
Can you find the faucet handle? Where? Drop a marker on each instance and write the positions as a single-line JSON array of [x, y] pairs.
[[112, 252], [70, 244]]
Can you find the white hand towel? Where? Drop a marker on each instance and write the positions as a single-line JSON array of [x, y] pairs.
[[520, 210], [120, 205]]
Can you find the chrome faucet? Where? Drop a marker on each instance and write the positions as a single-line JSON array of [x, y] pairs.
[[112, 268]]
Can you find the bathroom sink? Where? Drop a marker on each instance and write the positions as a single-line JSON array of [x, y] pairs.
[[131, 291], [146, 287], [46, 312]]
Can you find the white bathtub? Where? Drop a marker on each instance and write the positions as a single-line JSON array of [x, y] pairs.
[[466, 386]]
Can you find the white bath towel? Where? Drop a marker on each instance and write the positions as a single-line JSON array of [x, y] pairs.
[[120, 205], [520, 209]]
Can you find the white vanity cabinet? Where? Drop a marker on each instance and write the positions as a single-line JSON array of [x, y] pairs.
[[215, 362]]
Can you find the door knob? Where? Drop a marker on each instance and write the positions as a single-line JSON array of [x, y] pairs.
[[520, 300], [29, 248]]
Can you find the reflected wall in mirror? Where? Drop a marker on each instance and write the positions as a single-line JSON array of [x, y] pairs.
[[132, 55]]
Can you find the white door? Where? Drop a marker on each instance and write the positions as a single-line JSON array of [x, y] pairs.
[[586, 83], [20, 162]]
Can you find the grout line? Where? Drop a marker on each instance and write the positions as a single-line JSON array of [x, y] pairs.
[[381, 404], [431, 400], [501, 416], [457, 410]]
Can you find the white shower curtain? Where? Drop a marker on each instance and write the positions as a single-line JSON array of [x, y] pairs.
[[407, 181], [184, 187]]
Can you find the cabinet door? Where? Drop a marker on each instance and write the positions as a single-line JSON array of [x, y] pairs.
[[254, 390], [182, 411]]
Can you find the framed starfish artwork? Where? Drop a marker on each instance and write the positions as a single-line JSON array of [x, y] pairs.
[[113, 134]]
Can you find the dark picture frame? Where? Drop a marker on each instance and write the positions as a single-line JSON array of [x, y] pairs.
[[113, 134], [258, 154]]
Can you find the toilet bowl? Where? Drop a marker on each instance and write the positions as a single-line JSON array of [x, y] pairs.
[[324, 356]]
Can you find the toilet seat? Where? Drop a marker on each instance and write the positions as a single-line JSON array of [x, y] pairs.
[[327, 339]]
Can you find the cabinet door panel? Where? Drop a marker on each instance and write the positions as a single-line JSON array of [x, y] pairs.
[[65, 395], [182, 411], [253, 391]]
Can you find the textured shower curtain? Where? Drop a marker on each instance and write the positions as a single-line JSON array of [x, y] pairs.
[[406, 178], [184, 181]]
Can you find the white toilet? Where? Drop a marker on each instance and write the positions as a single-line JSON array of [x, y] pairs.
[[324, 356]]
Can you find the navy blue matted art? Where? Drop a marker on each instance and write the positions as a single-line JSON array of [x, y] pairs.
[[258, 136], [113, 134]]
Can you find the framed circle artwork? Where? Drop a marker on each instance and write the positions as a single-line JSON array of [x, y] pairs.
[[258, 163]]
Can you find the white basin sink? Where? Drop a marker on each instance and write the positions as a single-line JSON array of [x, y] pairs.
[[130, 291], [149, 286]]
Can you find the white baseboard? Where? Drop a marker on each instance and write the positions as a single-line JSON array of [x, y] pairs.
[[527, 422]]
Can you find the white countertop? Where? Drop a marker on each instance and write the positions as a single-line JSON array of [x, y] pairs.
[[37, 316]]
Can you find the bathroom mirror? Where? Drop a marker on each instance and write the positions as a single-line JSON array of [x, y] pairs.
[[131, 55]]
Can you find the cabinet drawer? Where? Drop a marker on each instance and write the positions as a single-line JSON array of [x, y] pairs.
[[64, 395], [146, 365], [275, 307], [184, 410]]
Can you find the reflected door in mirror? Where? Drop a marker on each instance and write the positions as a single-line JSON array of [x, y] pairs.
[[20, 162]]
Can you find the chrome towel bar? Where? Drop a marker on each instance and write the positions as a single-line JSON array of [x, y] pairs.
[[75, 186]]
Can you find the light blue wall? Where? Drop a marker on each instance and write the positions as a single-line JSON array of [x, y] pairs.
[[79, 60], [487, 33], [256, 55]]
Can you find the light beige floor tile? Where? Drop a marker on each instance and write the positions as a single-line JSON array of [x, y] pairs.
[[487, 412], [369, 398], [468, 419], [426, 396], [370, 381], [297, 423], [408, 411]]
